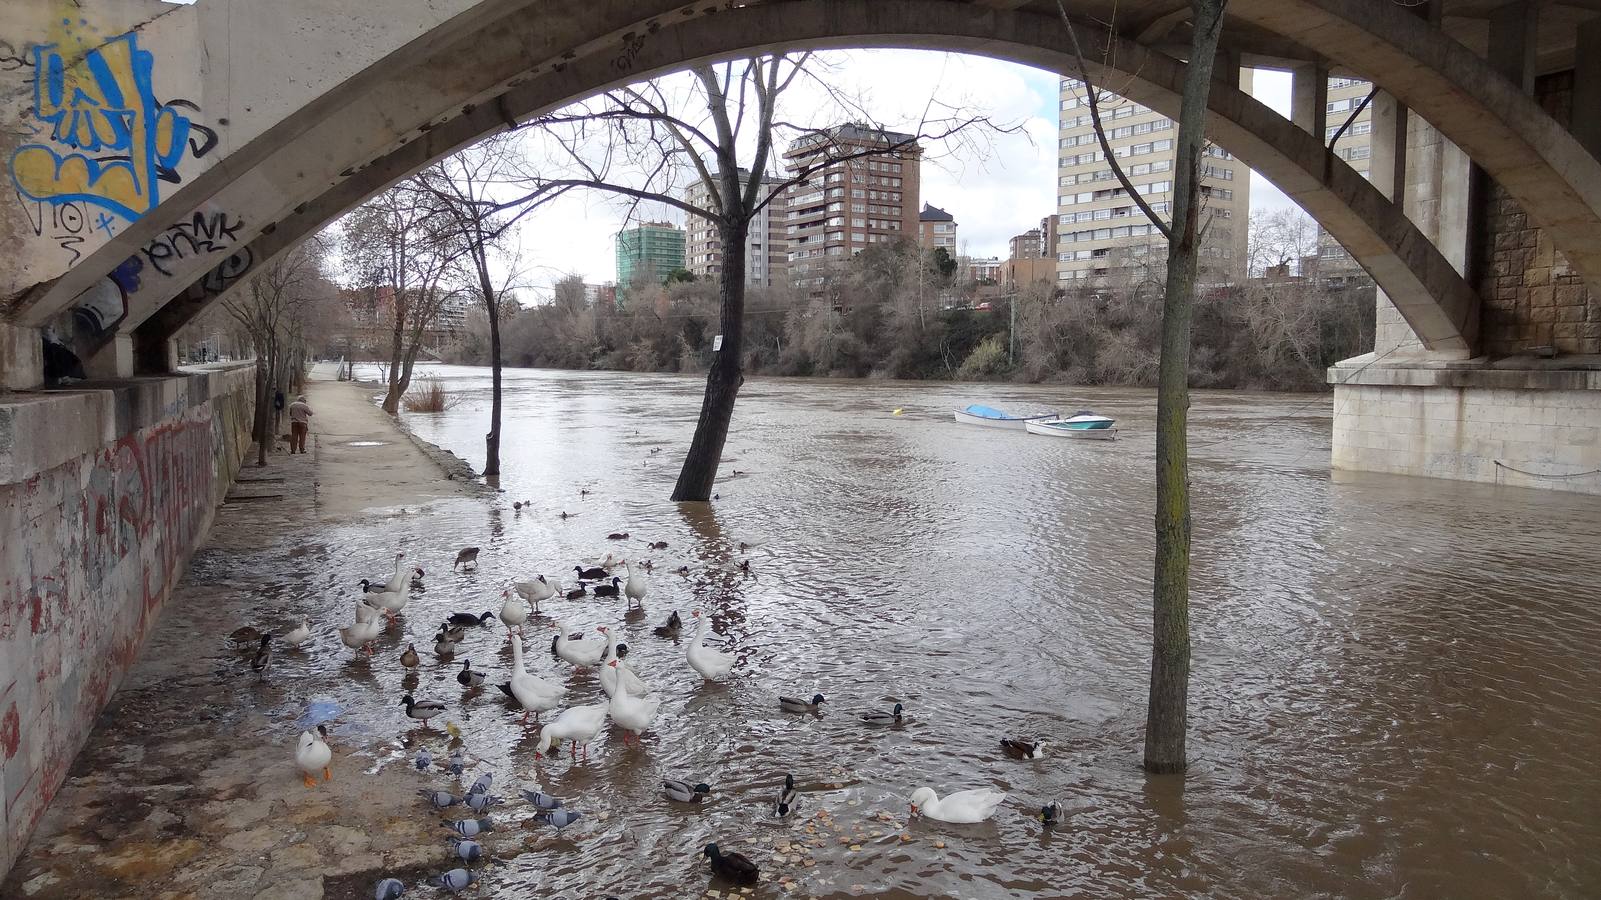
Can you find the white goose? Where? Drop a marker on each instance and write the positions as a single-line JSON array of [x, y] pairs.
[[632, 713], [536, 591], [611, 676], [391, 602], [366, 612], [711, 664], [361, 635], [512, 612], [636, 587], [962, 807], [534, 694], [578, 724], [397, 582], [313, 756], [582, 654], [297, 635]]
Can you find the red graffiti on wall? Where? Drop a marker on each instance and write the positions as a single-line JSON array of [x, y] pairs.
[[10, 732]]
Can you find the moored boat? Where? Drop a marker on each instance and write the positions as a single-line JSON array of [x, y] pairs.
[[990, 417], [1084, 425]]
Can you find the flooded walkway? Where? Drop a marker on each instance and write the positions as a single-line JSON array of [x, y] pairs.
[[1394, 693]]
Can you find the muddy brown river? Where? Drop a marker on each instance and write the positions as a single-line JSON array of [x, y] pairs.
[[1395, 685]]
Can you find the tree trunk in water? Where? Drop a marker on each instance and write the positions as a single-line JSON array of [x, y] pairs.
[[492, 439], [1167, 712], [699, 475]]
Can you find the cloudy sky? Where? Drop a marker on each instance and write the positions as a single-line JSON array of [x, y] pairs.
[[995, 191]]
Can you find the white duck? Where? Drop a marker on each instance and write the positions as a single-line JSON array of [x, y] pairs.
[[582, 654], [297, 635], [361, 635], [636, 587], [397, 582], [578, 724], [534, 694], [366, 612], [711, 664], [622, 674], [391, 602], [512, 612], [632, 713], [535, 591], [961, 807], [313, 756]]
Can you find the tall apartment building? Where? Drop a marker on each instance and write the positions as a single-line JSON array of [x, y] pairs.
[[848, 205], [936, 228], [1103, 234], [1333, 264], [1032, 256], [656, 246], [766, 249]]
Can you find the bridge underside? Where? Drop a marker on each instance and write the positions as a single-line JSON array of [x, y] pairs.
[[244, 160]]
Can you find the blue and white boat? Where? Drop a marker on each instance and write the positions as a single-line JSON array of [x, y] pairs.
[[990, 417], [1084, 425]]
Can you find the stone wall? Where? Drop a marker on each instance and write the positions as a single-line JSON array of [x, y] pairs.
[[104, 495], [1548, 438], [1531, 297]]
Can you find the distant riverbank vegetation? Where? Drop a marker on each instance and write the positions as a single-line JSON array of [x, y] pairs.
[[896, 312]]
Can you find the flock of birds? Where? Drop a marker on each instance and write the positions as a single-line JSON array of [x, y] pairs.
[[631, 705]]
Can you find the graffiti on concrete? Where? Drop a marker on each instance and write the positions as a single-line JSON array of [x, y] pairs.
[[204, 233], [101, 137]]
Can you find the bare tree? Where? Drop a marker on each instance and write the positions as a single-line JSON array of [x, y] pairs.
[[1167, 709], [271, 311], [645, 132]]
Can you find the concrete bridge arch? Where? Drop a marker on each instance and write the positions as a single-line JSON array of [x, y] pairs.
[[471, 67]]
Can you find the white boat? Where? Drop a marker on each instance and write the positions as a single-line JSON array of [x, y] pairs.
[[994, 418], [1083, 425]]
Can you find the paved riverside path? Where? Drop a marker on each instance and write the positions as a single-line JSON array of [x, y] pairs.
[[187, 786]]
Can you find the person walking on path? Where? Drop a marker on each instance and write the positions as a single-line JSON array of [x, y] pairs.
[[299, 423], [277, 410]]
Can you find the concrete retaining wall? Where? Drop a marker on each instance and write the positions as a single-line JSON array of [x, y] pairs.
[[1532, 437], [104, 495]]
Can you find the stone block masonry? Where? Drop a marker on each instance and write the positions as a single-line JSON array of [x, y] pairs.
[[104, 495]]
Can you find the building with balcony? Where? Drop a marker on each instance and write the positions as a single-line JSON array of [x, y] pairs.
[[936, 228], [766, 256], [846, 205], [654, 248]]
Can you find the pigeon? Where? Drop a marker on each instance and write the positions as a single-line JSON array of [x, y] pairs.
[[470, 827], [454, 880], [440, 799], [558, 818], [540, 799], [481, 786], [457, 764], [389, 889], [480, 802], [424, 759], [467, 850]]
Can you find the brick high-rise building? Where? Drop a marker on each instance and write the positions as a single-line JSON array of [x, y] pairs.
[[766, 247], [936, 228], [848, 205], [1103, 234]]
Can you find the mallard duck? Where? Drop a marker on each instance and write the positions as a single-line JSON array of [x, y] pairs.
[[594, 573], [453, 633], [711, 664], [884, 718], [467, 677], [608, 590], [788, 796], [408, 657], [245, 637], [1023, 749], [466, 557], [732, 867], [422, 711], [671, 627], [1051, 813], [313, 756], [263, 657], [617, 536], [463, 619], [296, 636], [683, 792], [962, 807], [444, 646], [796, 705]]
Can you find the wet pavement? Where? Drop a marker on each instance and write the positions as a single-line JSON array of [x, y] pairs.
[[1394, 678]]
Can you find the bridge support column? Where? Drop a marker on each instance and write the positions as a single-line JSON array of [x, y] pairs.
[[21, 358], [114, 360]]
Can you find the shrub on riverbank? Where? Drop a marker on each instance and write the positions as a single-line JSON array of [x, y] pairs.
[[428, 395]]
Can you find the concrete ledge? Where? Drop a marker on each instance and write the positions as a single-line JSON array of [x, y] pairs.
[[1568, 373], [42, 429]]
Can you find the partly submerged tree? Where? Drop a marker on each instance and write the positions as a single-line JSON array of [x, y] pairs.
[[1167, 707], [719, 127]]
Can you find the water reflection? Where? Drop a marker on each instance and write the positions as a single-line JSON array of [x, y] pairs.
[[1394, 685]]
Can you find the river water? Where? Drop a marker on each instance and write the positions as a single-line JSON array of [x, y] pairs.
[[1395, 685]]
